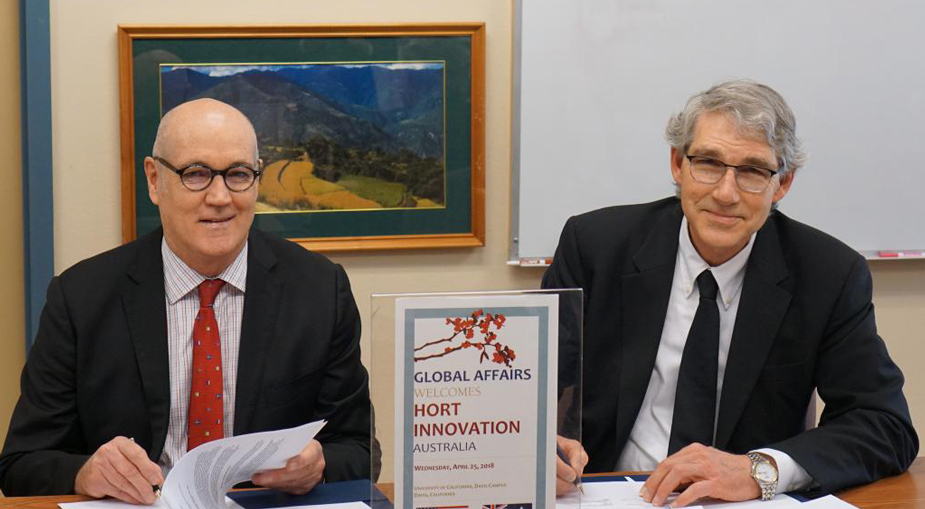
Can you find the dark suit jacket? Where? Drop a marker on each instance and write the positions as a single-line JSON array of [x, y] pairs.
[[99, 366], [805, 321]]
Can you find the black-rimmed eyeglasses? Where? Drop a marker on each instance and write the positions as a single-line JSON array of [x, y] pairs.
[[749, 178], [196, 177]]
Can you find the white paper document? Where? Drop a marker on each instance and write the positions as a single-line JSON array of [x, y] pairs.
[[625, 495], [606, 495], [202, 476], [344, 505], [111, 503]]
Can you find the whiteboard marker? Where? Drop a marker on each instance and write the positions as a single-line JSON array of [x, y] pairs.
[[901, 254], [535, 262]]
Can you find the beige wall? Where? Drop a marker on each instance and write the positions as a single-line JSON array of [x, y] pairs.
[[86, 154], [12, 344], [899, 299]]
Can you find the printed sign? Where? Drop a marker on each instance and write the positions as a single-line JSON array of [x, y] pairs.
[[475, 401]]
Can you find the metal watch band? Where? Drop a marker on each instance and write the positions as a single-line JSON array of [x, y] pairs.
[[768, 489]]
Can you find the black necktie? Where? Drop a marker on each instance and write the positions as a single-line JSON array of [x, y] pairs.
[[695, 398]]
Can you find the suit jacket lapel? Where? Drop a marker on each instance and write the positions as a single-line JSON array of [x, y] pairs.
[[644, 302], [261, 306], [146, 313], [761, 310]]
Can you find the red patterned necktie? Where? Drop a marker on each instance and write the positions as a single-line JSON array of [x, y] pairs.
[[206, 410]]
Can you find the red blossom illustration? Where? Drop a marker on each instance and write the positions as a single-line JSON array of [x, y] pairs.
[[480, 322]]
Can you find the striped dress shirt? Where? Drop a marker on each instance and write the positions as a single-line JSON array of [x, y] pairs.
[[182, 299]]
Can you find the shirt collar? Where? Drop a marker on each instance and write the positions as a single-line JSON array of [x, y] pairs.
[[180, 279], [729, 276]]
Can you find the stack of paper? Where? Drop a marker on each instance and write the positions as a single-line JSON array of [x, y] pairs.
[[203, 476], [625, 495]]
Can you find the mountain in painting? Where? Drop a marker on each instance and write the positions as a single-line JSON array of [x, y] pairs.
[[184, 84], [285, 113], [361, 106], [406, 103]]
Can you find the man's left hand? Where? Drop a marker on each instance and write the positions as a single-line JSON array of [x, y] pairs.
[[301, 473], [706, 472]]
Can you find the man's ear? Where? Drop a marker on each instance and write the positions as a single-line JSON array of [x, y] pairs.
[[785, 182], [151, 176], [676, 166]]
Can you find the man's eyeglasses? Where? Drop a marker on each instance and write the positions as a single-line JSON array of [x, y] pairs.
[[749, 178], [197, 177]]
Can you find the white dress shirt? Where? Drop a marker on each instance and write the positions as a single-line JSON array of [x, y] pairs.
[[182, 299], [648, 441]]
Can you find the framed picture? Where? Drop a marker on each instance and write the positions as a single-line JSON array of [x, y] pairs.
[[370, 137]]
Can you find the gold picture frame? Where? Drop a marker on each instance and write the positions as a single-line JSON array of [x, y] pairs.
[[415, 211]]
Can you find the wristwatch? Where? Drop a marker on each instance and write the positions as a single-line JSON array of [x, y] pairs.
[[764, 472]]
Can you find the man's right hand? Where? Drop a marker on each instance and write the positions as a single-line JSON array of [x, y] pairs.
[[566, 474], [120, 469]]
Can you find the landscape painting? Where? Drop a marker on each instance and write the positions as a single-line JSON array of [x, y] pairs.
[[333, 136], [371, 137]]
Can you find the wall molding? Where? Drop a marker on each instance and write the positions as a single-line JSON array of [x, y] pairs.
[[37, 174]]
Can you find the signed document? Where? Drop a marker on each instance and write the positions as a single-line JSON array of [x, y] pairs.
[[203, 476], [625, 495], [475, 401]]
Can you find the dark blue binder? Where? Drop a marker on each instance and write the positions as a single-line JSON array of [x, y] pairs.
[[330, 493]]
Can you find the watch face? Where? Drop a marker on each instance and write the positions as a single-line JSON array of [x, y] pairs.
[[765, 472]]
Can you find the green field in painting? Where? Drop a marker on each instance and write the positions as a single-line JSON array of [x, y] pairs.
[[388, 194]]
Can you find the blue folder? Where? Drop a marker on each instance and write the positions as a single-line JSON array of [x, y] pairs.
[[330, 493]]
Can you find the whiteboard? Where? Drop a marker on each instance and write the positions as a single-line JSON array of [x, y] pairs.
[[596, 81]]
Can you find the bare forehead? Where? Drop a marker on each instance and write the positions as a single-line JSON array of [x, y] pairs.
[[722, 126], [204, 122]]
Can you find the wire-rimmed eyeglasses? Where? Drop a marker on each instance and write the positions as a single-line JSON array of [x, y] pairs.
[[749, 178]]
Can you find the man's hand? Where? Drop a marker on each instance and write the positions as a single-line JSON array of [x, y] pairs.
[[566, 473], [121, 469], [301, 473], [706, 472]]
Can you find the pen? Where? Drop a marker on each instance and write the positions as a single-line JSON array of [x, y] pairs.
[[577, 481], [154, 487]]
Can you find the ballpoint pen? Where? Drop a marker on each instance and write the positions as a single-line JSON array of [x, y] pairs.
[[577, 481], [156, 488]]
